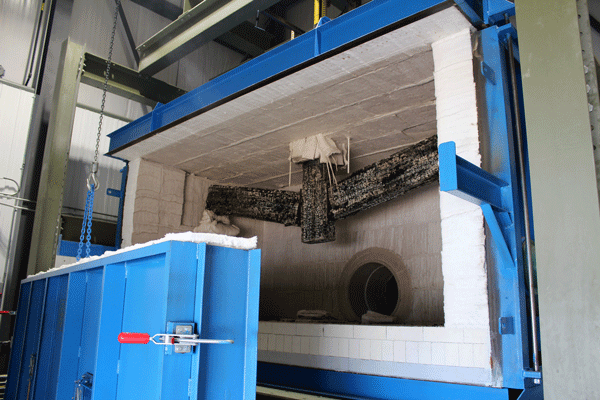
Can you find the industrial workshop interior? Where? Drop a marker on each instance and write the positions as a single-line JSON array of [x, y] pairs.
[[299, 199]]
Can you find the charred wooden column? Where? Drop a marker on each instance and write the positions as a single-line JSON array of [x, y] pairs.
[[267, 205], [315, 222], [385, 180]]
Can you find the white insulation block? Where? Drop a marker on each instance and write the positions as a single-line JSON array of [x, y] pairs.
[[463, 237]]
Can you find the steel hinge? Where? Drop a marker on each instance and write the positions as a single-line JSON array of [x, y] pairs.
[[190, 387], [79, 352], [118, 366]]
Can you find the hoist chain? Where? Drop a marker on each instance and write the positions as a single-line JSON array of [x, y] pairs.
[[86, 226], [92, 181]]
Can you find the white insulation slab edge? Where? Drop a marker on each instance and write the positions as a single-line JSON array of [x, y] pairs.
[[463, 236], [212, 239]]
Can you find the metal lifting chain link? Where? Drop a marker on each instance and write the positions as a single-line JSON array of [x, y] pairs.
[[86, 226], [92, 181]]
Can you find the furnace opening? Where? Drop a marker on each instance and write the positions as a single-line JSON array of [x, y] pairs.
[[373, 288]]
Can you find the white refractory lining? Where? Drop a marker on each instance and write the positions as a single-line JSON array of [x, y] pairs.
[[211, 239], [463, 237], [379, 94]]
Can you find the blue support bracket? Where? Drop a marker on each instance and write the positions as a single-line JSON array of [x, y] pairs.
[[467, 181], [498, 236], [532, 374], [113, 192]]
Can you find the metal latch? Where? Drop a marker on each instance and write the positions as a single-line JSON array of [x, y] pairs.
[[83, 387], [183, 339]]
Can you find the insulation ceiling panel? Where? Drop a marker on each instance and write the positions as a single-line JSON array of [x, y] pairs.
[[380, 94]]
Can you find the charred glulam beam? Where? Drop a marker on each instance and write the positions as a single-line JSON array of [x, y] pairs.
[[385, 180], [315, 222], [279, 206]]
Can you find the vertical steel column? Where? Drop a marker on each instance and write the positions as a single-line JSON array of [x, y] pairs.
[[513, 327], [564, 196], [56, 154], [525, 198]]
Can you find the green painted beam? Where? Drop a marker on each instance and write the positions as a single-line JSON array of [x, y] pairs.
[[56, 155], [565, 197], [206, 21]]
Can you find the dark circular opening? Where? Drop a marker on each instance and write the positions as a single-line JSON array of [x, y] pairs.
[[373, 287]]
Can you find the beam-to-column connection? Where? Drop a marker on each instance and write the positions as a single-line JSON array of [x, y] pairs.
[[128, 83]]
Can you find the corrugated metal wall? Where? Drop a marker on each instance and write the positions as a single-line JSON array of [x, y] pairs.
[[15, 113], [17, 22]]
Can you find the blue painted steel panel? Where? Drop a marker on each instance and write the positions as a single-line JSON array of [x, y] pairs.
[[51, 337], [142, 290], [69, 249], [141, 313], [18, 341], [91, 319], [71, 336], [111, 315], [356, 386], [345, 31], [32, 340], [229, 299], [497, 11], [488, 12]]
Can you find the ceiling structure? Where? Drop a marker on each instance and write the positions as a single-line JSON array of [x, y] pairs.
[[379, 94]]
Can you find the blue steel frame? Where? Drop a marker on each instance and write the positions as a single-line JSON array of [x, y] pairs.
[[486, 12], [322, 42], [69, 248], [356, 386], [68, 321], [498, 194], [350, 29]]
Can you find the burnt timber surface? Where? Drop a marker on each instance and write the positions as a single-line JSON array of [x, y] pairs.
[[319, 204], [385, 180], [316, 225]]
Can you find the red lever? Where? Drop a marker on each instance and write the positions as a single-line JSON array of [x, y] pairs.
[[134, 338], [8, 312]]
